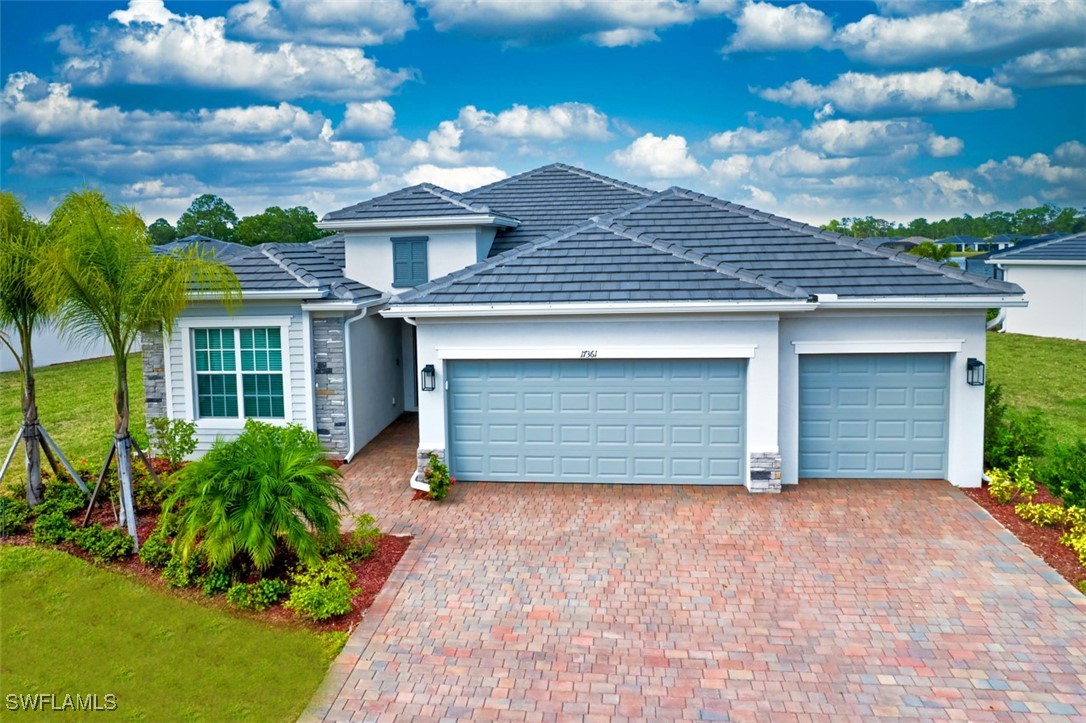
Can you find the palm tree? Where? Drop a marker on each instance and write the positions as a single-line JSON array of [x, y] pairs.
[[106, 282]]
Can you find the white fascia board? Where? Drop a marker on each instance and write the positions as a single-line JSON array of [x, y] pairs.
[[731, 351], [587, 308], [417, 222], [925, 302], [264, 294], [344, 305], [1036, 262], [866, 346]]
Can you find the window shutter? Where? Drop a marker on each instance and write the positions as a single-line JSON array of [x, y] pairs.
[[409, 261]]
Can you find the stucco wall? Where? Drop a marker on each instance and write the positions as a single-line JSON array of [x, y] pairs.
[[1057, 301], [368, 255], [52, 347], [376, 376]]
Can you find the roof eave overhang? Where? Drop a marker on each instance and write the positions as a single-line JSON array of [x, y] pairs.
[[417, 222], [923, 302], [343, 305], [594, 308], [264, 294], [1035, 262]]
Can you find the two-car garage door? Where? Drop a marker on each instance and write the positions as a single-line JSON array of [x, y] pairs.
[[617, 420]]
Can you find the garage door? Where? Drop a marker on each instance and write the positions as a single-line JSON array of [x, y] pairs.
[[873, 415], [635, 421]]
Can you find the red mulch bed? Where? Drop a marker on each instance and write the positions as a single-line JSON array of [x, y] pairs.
[[420, 495], [372, 574], [1044, 541]]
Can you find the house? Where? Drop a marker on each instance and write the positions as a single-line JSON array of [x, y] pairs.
[[1053, 274], [562, 326], [53, 346], [205, 245]]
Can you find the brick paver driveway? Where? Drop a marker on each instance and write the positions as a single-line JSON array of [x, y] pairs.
[[837, 599]]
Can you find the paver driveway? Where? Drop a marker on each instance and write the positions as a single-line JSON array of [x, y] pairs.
[[834, 599]]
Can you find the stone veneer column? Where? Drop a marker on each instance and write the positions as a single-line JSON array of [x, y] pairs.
[[154, 375], [330, 378], [765, 472], [424, 459]]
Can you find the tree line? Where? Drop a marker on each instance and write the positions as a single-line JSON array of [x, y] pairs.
[[211, 216], [1024, 222]]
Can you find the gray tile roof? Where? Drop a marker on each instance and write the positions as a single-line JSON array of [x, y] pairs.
[[206, 245], [422, 201], [552, 198], [1067, 248], [681, 245], [316, 266]]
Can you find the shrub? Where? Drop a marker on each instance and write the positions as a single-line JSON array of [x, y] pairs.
[[14, 512], [1043, 515], [1075, 538], [155, 551], [1017, 482], [216, 581], [52, 527], [63, 497], [323, 590], [1008, 433], [180, 572], [1081, 586], [103, 544], [270, 489], [172, 439], [437, 476], [1065, 472], [259, 595], [363, 538]]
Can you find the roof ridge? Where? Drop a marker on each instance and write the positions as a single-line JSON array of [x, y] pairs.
[[508, 179], [723, 267], [454, 198], [569, 169], [271, 251], [902, 257], [1032, 247]]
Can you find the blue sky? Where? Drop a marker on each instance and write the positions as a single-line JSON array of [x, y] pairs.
[[896, 108]]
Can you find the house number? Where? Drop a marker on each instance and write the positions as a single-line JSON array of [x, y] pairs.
[[588, 354]]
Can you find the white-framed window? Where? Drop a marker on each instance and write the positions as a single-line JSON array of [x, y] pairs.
[[238, 372]]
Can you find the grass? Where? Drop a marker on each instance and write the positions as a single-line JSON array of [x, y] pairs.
[[1043, 374], [69, 627], [75, 404]]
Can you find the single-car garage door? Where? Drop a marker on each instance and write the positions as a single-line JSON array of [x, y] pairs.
[[630, 421], [873, 415]]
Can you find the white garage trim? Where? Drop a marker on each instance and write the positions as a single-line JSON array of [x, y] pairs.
[[897, 346], [739, 351]]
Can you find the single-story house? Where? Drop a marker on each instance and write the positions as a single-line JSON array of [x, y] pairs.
[[1053, 274], [562, 326]]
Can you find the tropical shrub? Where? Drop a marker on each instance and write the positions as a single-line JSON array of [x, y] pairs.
[[1042, 515], [1016, 482], [14, 512], [52, 527], [62, 497], [322, 591], [1008, 433], [155, 551], [363, 539], [217, 581], [172, 439], [1065, 472], [181, 572], [436, 474], [268, 491], [259, 595], [103, 544]]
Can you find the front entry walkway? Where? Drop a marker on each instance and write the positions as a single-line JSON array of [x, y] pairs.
[[836, 599]]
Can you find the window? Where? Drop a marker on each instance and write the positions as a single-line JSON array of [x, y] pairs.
[[220, 377], [409, 261]]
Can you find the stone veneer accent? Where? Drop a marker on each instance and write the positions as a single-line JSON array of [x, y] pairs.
[[424, 459], [154, 375], [330, 378], [765, 472]]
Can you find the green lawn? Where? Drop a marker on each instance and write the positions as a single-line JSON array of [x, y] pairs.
[[75, 403], [69, 627], [1044, 374]]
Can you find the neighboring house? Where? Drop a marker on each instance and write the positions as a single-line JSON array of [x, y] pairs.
[[895, 243], [51, 346], [1053, 274], [206, 245], [561, 326]]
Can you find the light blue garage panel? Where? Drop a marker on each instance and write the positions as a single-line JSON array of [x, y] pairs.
[[873, 415], [629, 421]]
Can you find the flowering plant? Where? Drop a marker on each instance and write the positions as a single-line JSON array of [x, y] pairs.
[[438, 478]]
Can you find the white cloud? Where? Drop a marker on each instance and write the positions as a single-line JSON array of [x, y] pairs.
[[462, 178], [656, 157], [348, 23], [881, 137], [148, 47], [764, 26], [775, 134], [982, 30], [930, 91], [38, 108], [1063, 66], [1062, 176], [562, 121], [372, 119], [604, 22], [912, 7]]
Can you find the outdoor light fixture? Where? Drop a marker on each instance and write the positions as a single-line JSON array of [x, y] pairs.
[[974, 372], [429, 378]]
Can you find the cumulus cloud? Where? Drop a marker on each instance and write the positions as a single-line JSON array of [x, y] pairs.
[[372, 119], [462, 178], [149, 45], [656, 157], [882, 137], [761, 135], [1063, 174], [603, 22], [980, 30], [764, 26], [930, 91], [562, 121], [346, 23], [1063, 66]]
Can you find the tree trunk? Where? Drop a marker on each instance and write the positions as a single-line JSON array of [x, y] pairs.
[[124, 447], [35, 492]]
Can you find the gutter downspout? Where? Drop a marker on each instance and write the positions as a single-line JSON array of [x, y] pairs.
[[368, 311], [998, 320]]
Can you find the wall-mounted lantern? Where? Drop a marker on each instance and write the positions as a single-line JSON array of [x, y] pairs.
[[974, 372], [429, 378]]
